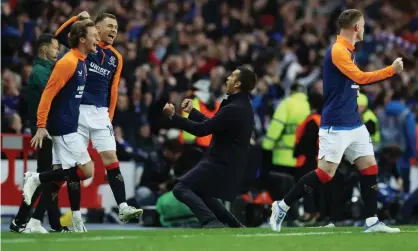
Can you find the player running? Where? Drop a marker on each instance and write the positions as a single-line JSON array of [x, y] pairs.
[[59, 111], [342, 131], [99, 101]]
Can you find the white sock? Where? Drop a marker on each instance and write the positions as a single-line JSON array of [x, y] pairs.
[[371, 220], [123, 205], [283, 205], [77, 214]]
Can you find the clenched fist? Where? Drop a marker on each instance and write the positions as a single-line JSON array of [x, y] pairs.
[[187, 105], [398, 65], [169, 110], [83, 15]]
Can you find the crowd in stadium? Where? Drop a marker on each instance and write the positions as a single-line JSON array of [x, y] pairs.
[[178, 49]]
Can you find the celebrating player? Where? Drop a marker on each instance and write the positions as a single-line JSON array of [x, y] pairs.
[[342, 131], [59, 106], [99, 102]]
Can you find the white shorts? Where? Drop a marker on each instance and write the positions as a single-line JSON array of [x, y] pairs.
[[69, 150], [94, 124], [355, 143]]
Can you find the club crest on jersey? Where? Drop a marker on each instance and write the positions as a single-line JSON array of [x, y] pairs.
[[112, 61]]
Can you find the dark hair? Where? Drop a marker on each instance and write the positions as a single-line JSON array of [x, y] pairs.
[[316, 101], [44, 39], [348, 18], [400, 94], [102, 17], [247, 78], [297, 87], [79, 30], [173, 145]]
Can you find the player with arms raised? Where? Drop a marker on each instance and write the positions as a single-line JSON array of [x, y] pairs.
[[99, 102], [342, 131]]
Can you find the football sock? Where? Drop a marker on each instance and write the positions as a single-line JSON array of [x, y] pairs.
[[49, 195], [116, 182], [22, 215], [123, 205], [76, 214], [368, 186], [306, 184], [74, 194], [54, 213], [71, 174]]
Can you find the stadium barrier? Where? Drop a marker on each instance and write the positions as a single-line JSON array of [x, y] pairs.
[[96, 192], [14, 146]]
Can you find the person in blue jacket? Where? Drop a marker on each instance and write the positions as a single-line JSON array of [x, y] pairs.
[[397, 108]]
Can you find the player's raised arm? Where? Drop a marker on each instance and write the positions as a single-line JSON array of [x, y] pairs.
[[341, 58], [63, 71], [62, 33], [115, 85]]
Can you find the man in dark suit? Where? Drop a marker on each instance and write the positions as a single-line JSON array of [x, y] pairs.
[[220, 172]]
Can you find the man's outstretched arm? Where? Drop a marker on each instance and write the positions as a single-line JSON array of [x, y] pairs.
[[341, 58], [222, 121]]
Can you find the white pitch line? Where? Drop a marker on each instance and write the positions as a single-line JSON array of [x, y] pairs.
[[97, 238], [309, 233], [292, 234]]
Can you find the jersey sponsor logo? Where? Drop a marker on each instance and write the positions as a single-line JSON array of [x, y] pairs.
[[112, 61], [99, 70], [80, 90], [356, 87]]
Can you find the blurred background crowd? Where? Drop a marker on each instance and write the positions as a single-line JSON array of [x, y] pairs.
[[174, 49]]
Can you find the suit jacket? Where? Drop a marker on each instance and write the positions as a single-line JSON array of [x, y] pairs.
[[221, 170]]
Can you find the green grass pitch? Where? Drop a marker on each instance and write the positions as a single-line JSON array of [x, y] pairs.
[[249, 239]]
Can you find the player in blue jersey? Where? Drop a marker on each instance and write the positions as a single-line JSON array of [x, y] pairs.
[[99, 101], [342, 131], [57, 118]]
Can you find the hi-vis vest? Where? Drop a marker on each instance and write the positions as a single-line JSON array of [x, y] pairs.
[[188, 138], [369, 115], [281, 134], [299, 132]]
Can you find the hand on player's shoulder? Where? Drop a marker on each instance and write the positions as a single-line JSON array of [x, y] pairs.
[[83, 15], [398, 65]]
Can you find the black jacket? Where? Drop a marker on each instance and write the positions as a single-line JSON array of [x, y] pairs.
[[220, 172]]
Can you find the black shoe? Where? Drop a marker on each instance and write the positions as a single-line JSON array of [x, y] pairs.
[[16, 228], [61, 230], [213, 224]]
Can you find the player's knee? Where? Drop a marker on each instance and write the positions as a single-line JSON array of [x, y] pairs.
[[88, 169], [365, 162], [178, 191], [109, 157], [328, 167]]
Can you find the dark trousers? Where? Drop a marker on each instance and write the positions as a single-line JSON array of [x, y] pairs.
[[206, 208], [44, 163]]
